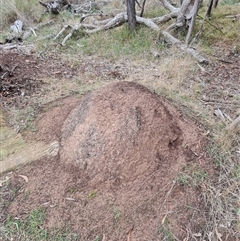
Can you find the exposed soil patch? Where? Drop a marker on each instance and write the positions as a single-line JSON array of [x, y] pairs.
[[116, 173], [19, 78], [22, 76]]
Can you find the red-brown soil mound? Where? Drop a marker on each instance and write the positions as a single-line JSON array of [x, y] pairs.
[[121, 133], [121, 149]]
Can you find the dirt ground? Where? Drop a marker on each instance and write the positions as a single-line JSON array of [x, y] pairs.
[[132, 191]]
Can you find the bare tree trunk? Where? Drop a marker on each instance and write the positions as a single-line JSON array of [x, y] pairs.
[[131, 13]]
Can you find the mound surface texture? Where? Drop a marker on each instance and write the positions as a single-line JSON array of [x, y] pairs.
[[119, 133], [122, 149]]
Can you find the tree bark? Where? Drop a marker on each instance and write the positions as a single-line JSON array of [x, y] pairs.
[[131, 13]]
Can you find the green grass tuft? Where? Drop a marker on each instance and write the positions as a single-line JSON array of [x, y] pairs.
[[119, 42], [32, 229]]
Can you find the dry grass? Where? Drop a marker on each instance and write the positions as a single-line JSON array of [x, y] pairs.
[[25, 10], [220, 192], [222, 27], [221, 199]]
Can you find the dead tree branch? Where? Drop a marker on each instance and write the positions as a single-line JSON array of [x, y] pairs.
[[191, 25], [168, 6], [172, 40], [29, 31], [120, 19], [185, 15], [93, 20]]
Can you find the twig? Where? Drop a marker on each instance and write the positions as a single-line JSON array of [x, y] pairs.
[[66, 38], [8, 71], [201, 28], [129, 233], [43, 4], [220, 101], [201, 68], [13, 68], [233, 124], [225, 61], [61, 32], [104, 237], [137, 2], [142, 10], [38, 26], [233, 16], [33, 32], [2, 77], [168, 193], [210, 24]]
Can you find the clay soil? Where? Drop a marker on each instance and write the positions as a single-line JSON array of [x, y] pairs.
[[121, 150]]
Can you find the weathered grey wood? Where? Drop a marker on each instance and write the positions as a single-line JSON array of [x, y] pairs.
[[172, 40], [233, 124]]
